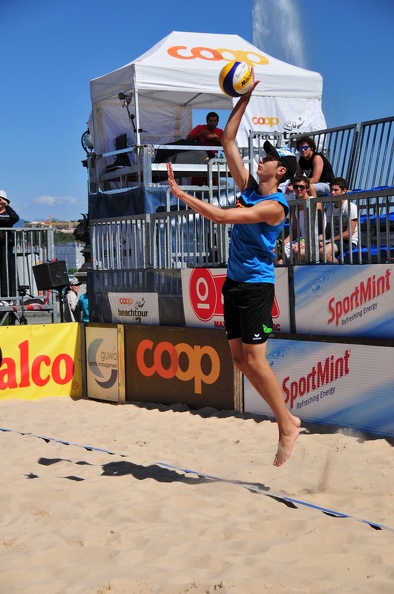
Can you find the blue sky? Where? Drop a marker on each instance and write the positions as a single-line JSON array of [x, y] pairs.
[[51, 49]]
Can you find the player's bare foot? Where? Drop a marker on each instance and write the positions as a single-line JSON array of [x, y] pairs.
[[295, 420], [286, 442]]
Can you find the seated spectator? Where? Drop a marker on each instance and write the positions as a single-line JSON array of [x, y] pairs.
[[297, 248], [341, 209], [315, 166], [208, 133]]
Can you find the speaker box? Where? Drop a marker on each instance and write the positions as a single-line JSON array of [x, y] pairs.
[[51, 275]]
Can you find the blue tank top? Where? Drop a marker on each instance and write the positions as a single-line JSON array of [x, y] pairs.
[[252, 245]]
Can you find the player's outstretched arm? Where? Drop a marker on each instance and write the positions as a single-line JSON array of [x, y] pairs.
[[240, 174], [269, 211]]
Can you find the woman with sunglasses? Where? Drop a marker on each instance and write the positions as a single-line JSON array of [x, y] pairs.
[[295, 242], [315, 166]]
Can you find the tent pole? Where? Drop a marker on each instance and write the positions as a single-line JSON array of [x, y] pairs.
[[137, 110], [139, 152], [191, 100]]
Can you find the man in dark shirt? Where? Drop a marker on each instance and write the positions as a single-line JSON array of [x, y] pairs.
[[315, 166], [8, 218]]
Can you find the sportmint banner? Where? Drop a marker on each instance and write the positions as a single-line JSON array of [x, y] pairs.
[[334, 384], [345, 300]]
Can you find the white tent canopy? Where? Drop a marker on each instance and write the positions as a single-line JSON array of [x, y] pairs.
[[180, 74]]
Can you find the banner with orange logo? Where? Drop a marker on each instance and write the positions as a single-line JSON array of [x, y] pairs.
[[134, 308], [172, 365], [40, 361], [287, 115]]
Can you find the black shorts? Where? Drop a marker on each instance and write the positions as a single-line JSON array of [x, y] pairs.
[[347, 246], [248, 310]]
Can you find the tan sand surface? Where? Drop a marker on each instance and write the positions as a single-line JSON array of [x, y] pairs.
[[77, 520]]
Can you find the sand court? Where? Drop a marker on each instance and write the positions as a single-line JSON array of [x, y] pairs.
[[103, 503]]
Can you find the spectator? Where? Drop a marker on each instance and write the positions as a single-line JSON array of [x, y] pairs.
[[71, 300], [82, 309], [8, 218], [315, 166], [301, 185], [347, 228], [208, 133]]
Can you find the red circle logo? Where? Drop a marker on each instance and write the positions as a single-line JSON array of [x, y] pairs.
[[203, 294]]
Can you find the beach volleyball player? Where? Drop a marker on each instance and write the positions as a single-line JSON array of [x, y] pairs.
[[248, 290]]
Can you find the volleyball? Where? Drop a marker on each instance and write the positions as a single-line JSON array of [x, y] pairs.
[[235, 79]]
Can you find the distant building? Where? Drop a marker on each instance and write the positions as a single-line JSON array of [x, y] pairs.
[[65, 226], [71, 253]]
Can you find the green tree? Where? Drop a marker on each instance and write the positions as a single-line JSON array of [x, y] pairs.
[[64, 237]]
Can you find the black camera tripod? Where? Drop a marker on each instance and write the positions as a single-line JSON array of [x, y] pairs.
[[22, 292]]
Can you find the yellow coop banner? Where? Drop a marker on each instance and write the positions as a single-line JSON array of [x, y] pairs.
[[40, 361]]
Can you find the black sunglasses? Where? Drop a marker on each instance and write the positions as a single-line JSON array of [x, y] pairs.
[[298, 187]]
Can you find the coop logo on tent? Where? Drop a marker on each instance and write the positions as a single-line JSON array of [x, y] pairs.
[[101, 360], [182, 52], [265, 121]]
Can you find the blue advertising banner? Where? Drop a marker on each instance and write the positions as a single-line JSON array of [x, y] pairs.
[[335, 384], [345, 300]]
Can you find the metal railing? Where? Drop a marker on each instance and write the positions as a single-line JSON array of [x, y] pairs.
[[375, 225], [143, 170], [361, 153], [182, 238], [373, 164], [20, 250], [339, 145], [177, 238]]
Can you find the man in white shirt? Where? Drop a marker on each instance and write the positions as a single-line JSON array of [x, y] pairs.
[[341, 223]]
